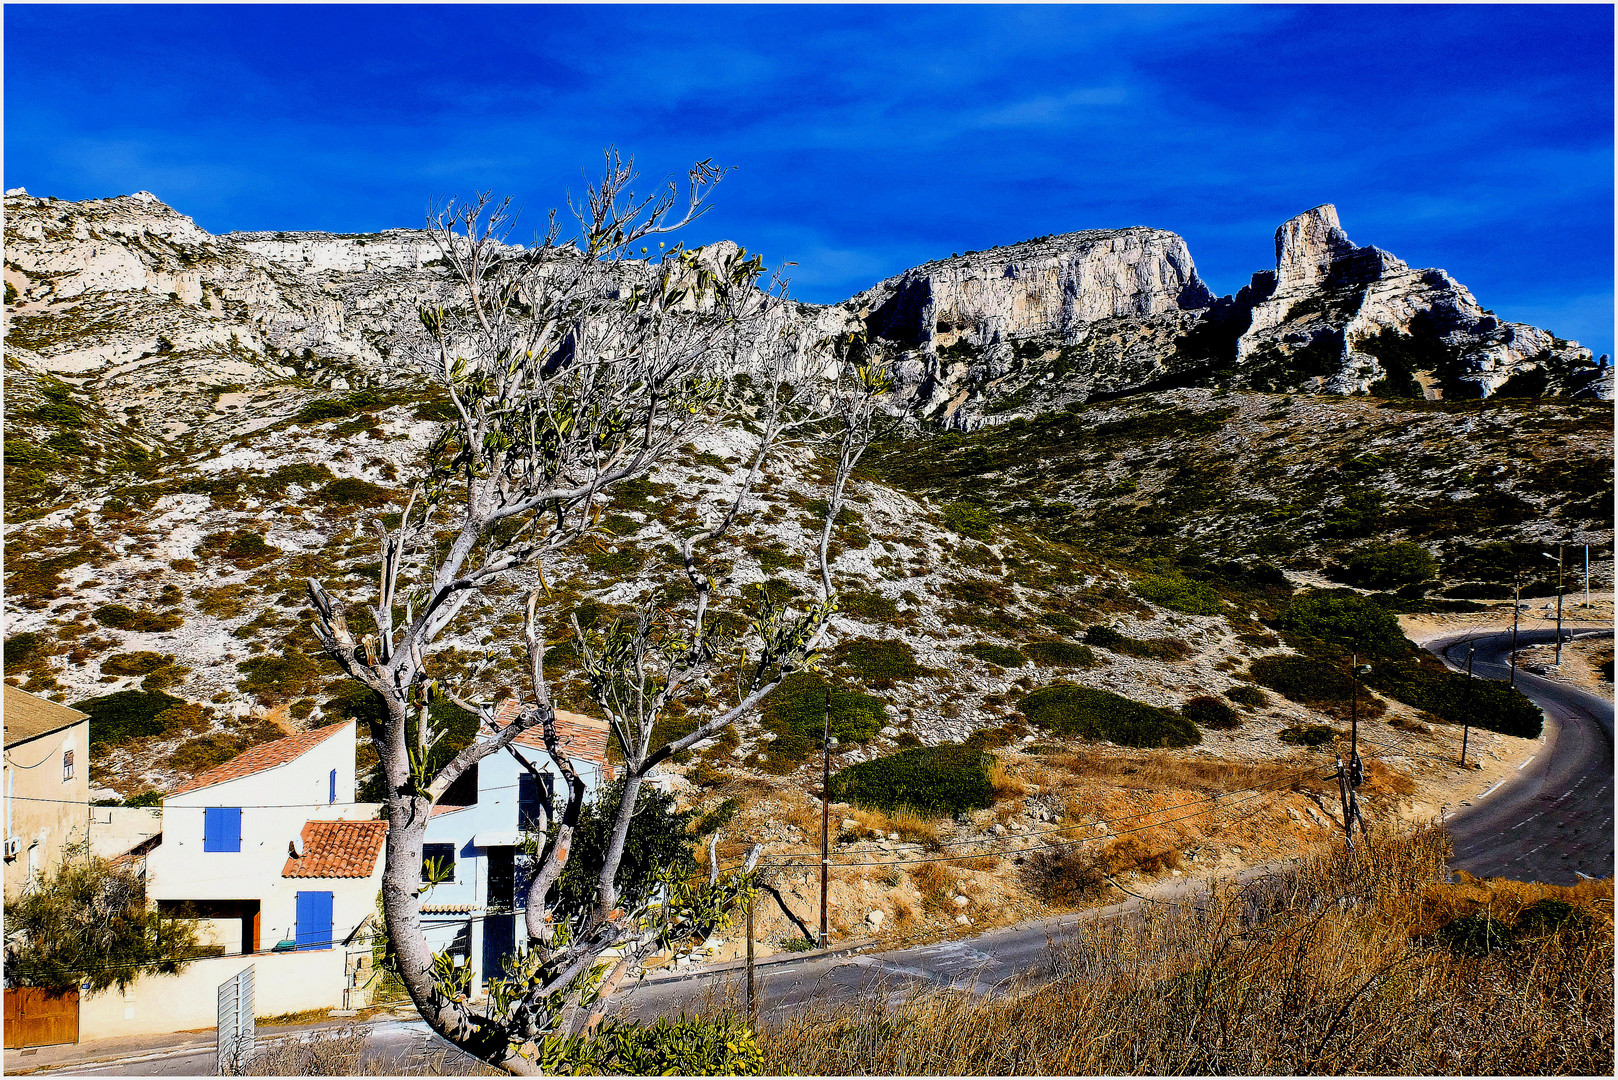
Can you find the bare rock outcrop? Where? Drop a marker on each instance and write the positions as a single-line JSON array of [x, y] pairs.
[[1334, 317]]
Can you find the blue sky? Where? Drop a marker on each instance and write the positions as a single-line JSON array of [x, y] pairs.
[[867, 139]]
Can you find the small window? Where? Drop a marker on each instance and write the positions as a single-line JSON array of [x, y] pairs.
[[222, 828], [534, 801], [440, 855], [331, 797], [67, 765], [464, 791]]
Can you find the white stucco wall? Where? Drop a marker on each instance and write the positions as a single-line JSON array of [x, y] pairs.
[[156, 1005]]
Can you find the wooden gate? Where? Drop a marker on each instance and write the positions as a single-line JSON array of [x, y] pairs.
[[36, 1017]]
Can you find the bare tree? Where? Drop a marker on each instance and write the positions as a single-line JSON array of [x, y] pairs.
[[571, 368]]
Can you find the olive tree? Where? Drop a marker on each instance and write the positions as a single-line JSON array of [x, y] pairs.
[[570, 368]]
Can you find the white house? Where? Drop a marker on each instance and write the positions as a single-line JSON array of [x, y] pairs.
[[231, 840], [283, 868], [479, 826]]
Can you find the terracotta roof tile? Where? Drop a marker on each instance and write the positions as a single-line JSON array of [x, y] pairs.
[[259, 758], [337, 849], [583, 737]]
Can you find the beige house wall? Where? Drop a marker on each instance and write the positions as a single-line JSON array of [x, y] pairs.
[[189, 1000], [116, 829], [43, 811]]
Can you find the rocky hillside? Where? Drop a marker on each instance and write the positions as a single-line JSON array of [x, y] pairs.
[[194, 424]]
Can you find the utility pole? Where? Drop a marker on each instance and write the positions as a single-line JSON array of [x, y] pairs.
[[1466, 721], [1559, 605], [1353, 707], [1516, 609], [1559, 563], [1586, 577], [752, 999], [825, 820]]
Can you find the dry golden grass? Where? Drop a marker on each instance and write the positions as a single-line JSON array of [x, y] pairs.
[[911, 827], [1331, 967], [340, 1052], [1004, 784], [1164, 771]]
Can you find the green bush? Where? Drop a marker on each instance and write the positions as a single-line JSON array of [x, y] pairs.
[[134, 663], [1243, 694], [1387, 566], [717, 818], [241, 548], [354, 492], [1307, 679], [324, 409], [945, 779], [145, 798], [799, 705], [1061, 654], [970, 521], [878, 662], [1308, 735], [1210, 712], [1098, 714], [689, 1046], [1346, 620], [1179, 593], [204, 752], [1425, 684], [865, 606], [123, 617], [1159, 649], [990, 653], [659, 838], [1477, 934], [275, 679], [1550, 915], [128, 714]]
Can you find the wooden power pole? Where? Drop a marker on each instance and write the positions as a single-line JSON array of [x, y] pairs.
[[825, 820], [1466, 717], [1516, 609], [752, 997], [1559, 555]]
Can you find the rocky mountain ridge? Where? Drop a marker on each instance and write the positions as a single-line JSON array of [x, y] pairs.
[[126, 297]]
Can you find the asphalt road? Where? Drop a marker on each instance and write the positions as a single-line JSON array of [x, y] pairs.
[[1552, 821], [392, 1046]]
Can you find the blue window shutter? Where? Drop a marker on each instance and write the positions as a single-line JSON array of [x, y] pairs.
[[222, 828], [314, 920], [333, 796]]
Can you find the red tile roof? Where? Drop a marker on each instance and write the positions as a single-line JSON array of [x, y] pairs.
[[583, 738], [259, 758], [338, 849]]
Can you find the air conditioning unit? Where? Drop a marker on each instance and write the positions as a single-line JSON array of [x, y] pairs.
[[13, 846]]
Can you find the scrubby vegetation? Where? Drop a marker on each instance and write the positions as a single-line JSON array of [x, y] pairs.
[[1210, 712], [944, 779], [128, 714], [796, 714], [1097, 714]]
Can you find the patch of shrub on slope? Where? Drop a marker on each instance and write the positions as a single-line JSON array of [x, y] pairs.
[[128, 714], [796, 713], [1424, 683], [944, 779], [1098, 714]]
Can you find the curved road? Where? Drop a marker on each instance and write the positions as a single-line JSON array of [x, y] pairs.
[[1552, 822]]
